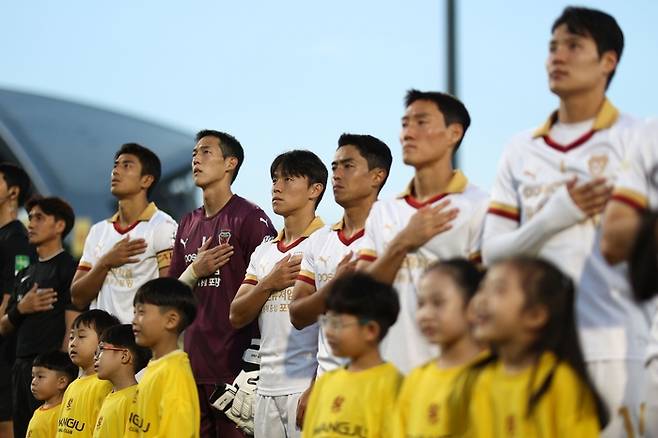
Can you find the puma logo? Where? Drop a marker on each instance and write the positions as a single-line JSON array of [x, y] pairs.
[[24, 278], [323, 260], [263, 221]]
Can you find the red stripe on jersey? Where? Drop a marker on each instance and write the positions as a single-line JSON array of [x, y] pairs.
[[628, 201], [348, 241], [283, 248], [84, 268], [305, 279], [417, 204], [506, 214], [566, 148], [367, 257], [249, 281], [120, 230]]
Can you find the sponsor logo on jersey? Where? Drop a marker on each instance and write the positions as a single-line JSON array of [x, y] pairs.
[[337, 404]]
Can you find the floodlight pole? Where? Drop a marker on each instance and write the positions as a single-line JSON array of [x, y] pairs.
[[451, 54]]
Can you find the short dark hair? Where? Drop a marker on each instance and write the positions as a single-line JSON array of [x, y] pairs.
[[375, 151], [54, 206], [302, 163], [360, 295], [57, 361], [15, 176], [229, 145], [147, 158], [169, 294], [122, 336], [97, 319], [598, 25], [464, 273], [453, 110]]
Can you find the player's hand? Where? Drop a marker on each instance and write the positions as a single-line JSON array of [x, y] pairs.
[[284, 273], [302, 403], [123, 252], [41, 301], [590, 197], [427, 222], [209, 260], [346, 265]]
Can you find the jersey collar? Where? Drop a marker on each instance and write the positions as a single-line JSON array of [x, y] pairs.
[[145, 215], [457, 184], [605, 118], [347, 241], [315, 225]]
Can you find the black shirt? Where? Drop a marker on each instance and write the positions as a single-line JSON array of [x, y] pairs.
[[43, 331]]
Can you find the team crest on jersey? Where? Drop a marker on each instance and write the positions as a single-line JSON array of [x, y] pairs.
[[224, 236], [99, 423], [69, 404], [597, 164], [267, 239], [433, 413], [337, 404], [510, 425]]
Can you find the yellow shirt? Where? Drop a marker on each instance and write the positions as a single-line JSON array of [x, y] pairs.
[[422, 407], [345, 403], [500, 401], [167, 402], [114, 413], [80, 405], [43, 423]]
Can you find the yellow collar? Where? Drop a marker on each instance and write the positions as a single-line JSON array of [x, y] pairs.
[[457, 184], [145, 216], [315, 225], [605, 118]]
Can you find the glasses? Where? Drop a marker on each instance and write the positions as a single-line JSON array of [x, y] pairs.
[[336, 323], [102, 347]]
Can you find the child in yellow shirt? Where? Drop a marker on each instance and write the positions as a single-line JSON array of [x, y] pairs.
[[84, 396], [51, 375], [118, 359], [536, 383], [357, 400], [167, 401], [444, 292]]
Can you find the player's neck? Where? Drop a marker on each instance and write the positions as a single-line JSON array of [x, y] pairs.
[[164, 346], [131, 208], [215, 197], [354, 216], [123, 379], [88, 370], [580, 107], [458, 353], [432, 180], [368, 359], [516, 357], [50, 248], [296, 223], [8, 213], [53, 401]]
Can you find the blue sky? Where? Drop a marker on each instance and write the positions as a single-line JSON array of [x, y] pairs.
[[283, 75]]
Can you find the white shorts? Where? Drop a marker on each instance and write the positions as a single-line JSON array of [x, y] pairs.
[[621, 384], [276, 417]]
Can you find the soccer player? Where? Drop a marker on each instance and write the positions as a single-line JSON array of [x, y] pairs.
[[15, 255], [211, 254], [359, 170], [51, 374], [167, 403], [551, 187], [118, 359], [438, 217], [131, 247], [287, 356], [84, 397], [40, 311], [359, 399]]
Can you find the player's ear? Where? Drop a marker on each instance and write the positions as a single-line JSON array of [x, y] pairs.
[[62, 382], [172, 320], [378, 176], [147, 181], [609, 62], [372, 331], [455, 132], [315, 190]]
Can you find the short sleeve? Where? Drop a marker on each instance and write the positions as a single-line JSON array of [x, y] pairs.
[[89, 259], [308, 270], [252, 276], [477, 229], [504, 200], [163, 241], [368, 251], [255, 229], [177, 265], [636, 173], [14, 247]]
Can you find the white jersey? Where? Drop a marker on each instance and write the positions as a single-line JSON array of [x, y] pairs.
[[637, 187], [531, 212], [116, 295], [326, 248], [287, 355], [404, 345]]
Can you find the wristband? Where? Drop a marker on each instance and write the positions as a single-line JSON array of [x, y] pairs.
[[189, 277], [15, 317]]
